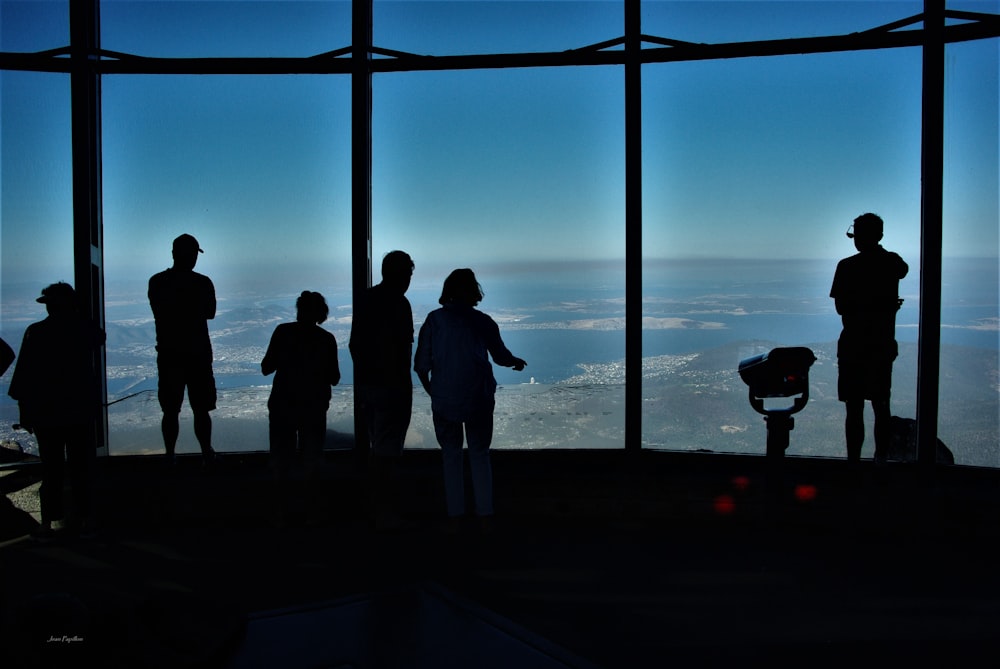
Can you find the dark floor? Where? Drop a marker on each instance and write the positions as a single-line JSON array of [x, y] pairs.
[[597, 560]]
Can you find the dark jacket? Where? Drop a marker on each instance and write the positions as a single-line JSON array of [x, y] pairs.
[[303, 359], [55, 381]]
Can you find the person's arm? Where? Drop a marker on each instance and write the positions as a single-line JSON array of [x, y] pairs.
[[210, 304], [422, 362], [904, 269], [270, 363], [153, 294], [425, 381], [6, 356], [498, 350], [333, 369], [23, 383]]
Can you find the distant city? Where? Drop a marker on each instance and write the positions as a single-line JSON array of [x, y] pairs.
[[571, 395]]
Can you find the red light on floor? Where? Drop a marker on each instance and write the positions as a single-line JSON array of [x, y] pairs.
[[741, 483], [724, 505], [805, 492]]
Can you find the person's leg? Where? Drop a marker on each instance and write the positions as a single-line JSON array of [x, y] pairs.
[[882, 429], [202, 397], [170, 392], [203, 432], [80, 459], [449, 437], [854, 428], [479, 434], [282, 438], [391, 409], [312, 437], [51, 451], [170, 427]]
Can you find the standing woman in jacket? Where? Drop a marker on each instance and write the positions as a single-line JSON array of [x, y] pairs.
[[452, 365]]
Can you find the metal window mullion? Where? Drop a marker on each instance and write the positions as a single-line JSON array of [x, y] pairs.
[[633, 227], [361, 177], [88, 230], [931, 237]]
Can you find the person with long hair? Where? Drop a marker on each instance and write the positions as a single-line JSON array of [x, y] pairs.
[[303, 358], [452, 362]]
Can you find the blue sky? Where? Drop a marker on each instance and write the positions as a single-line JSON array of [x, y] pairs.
[[757, 158]]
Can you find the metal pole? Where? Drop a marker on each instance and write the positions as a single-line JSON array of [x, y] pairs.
[[633, 227], [932, 186], [361, 177], [88, 228]]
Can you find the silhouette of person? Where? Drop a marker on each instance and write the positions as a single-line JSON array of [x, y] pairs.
[[866, 293], [381, 347], [183, 301], [303, 358], [452, 365], [57, 390], [6, 356]]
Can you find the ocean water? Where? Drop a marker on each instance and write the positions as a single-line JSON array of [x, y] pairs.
[[567, 321]]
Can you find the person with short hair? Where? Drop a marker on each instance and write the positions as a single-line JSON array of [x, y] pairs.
[[866, 294], [452, 362], [381, 348], [183, 301]]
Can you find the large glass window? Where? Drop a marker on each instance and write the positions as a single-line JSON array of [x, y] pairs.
[[969, 416], [517, 174], [258, 170], [754, 169], [26, 27], [714, 22], [36, 216], [438, 28], [233, 29]]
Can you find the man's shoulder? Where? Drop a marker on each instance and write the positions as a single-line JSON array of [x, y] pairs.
[[381, 294], [203, 280], [159, 277]]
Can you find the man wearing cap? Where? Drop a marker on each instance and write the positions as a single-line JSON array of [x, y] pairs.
[[866, 293], [183, 301], [59, 395]]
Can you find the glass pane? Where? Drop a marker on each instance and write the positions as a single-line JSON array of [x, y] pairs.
[[754, 169], [36, 212], [273, 29], [721, 21], [969, 416], [437, 28], [258, 170], [33, 26], [518, 175]]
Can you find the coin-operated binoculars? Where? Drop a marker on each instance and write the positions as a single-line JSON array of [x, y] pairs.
[[781, 372]]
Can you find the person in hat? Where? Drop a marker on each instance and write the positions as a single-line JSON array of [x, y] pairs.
[[183, 301], [866, 294], [58, 392]]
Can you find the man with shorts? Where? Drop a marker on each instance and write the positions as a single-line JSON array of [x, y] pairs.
[[866, 293], [381, 347], [183, 301]]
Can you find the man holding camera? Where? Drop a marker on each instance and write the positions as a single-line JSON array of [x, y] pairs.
[[866, 293]]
